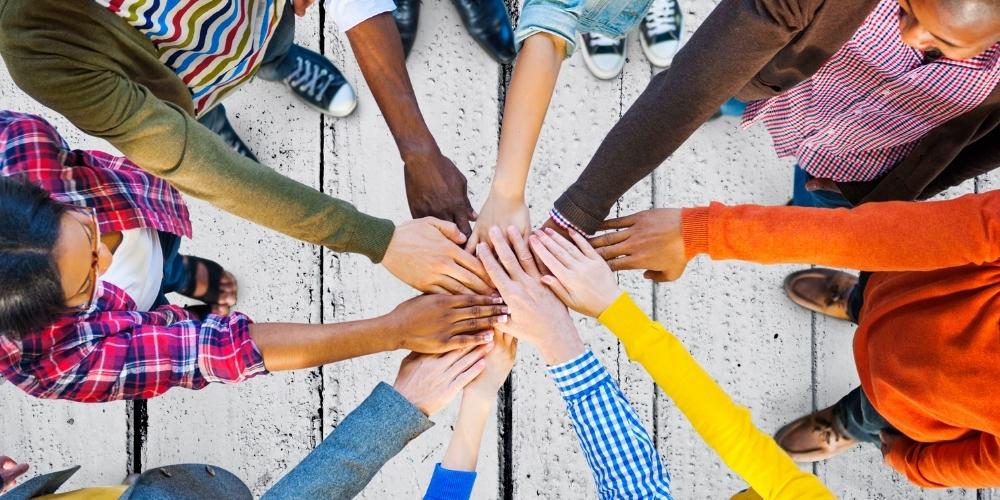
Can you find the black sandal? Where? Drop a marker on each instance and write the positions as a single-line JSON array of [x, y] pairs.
[[215, 272]]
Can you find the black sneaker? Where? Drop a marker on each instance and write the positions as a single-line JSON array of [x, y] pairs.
[[407, 14], [604, 56], [318, 83], [660, 32]]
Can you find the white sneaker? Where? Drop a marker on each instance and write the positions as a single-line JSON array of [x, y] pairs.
[[660, 32], [604, 56]]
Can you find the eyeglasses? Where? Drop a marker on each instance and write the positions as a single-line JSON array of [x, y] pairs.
[[94, 233]]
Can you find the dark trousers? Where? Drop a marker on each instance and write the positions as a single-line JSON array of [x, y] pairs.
[[801, 197], [175, 274]]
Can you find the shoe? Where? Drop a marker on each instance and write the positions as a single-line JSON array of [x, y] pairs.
[[604, 56], [660, 32], [821, 290], [216, 120], [407, 14], [489, 24], [319, 84], [814, 437]]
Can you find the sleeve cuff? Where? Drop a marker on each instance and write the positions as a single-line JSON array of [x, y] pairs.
[[579, 375], [350, 13], [694, 228], [623, 316], [573, 213], [451, 484], [371, 237], [408, 421]]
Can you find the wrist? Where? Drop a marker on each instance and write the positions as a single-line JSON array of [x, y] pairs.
[[390, 337], [562, 348], [475, 398], [419, 152], [507, 191]]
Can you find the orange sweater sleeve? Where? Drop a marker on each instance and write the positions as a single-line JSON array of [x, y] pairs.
[[973, 462], [886, 236]]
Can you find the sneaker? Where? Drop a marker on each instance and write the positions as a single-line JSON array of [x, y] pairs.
[[660, 32], [604, 56], [319, 84]]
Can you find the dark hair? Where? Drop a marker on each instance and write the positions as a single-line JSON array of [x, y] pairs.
[[31, 294]]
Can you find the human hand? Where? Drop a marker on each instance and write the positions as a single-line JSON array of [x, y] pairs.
[[817, 184], [425, 254], [301, 6], [431, 381], [536, 314], [499, 211], [581, 278], [9, 472], [436, 188], [499, 362], [441, 323], [650, 240]]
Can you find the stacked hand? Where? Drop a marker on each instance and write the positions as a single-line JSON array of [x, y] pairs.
[[9, 472], [441, 323], [436, 188], [500, 211], [650, 240], [431, 381], [427, 255]]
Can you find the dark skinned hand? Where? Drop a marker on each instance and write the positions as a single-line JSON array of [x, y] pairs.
[[650, 240], [436, 188]]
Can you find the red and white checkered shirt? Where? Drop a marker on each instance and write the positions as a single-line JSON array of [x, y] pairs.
[[865, 110]]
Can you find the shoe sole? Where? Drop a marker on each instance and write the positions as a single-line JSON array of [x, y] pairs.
[[601, 74], [326, 112], [802, 302], [656, 60]]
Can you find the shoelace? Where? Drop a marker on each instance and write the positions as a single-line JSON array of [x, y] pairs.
[[310, 79], [662, 17], [599, 40]]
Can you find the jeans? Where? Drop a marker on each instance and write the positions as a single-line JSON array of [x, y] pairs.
[[856, 413], [565, 18], [816, 199], [175, 274]]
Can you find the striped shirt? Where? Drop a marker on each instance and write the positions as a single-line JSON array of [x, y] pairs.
[[212, 45], [618, 449], [865, 110]]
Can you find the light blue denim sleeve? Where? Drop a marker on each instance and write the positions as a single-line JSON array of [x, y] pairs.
[[343, 464], [447, 484], [558, 17], [618, 449]]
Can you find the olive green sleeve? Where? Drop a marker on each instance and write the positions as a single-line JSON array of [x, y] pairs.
[[166, 141]]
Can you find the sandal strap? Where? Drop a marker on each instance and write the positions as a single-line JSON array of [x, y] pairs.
[[211, 296]]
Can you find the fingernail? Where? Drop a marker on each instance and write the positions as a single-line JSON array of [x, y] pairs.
[[549, 230], [488, 338], [480, 248], [495, 231], [505, 310], [497, 299], [503, 319]]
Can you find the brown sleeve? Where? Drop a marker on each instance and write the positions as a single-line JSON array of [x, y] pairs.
[[883, 236], [728, 49]]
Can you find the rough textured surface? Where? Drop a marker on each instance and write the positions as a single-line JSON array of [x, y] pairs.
[[773, 357]]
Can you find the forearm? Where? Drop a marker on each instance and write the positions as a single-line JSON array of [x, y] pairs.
[[887, 236], [528, 98], [725, 426], [463, 449], [379, 53], [973, 462], [292, 346]]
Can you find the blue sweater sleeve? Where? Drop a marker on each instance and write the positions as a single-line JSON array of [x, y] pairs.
[[619, 451], [447, 484]]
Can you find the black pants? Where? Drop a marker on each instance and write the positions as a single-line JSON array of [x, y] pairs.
[[855, 410]]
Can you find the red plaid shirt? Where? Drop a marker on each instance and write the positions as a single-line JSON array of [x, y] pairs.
[[865, 110], [113, 351]]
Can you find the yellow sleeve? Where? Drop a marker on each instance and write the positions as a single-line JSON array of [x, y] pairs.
[[725, 426], [96, 493]]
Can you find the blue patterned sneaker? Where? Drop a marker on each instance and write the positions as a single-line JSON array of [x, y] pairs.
[[318, 83], [660, 32]]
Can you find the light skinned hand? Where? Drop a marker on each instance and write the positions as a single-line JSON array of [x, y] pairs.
[[441, 323], [651, 240], [9, 472], [580, 277], [500, 211], [536, 314], [499, 362], [427, 255], [431, 381]]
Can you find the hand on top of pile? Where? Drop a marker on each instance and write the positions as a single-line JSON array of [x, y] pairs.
[[441, 323]]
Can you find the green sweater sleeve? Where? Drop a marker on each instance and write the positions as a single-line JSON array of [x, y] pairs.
[[724, 425], [86, 81]]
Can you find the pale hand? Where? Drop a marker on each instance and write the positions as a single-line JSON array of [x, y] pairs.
[[580, 277], [499, 211], [9, 472], [536, 314], [431, 381], [499, 362], [651, 240], [441, 323], [426, 254]]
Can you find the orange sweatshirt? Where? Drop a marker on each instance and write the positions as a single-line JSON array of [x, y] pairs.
[[928, 345]]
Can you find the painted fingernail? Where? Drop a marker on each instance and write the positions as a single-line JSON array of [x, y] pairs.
[[497, 299], [488, 337], [503, 319]]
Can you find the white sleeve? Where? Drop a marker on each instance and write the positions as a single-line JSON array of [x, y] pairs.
[[349, 13]]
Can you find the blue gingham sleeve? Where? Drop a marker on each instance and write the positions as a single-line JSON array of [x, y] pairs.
[[618, 449]]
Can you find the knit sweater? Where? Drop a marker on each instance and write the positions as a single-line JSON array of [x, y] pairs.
[[927, 348]]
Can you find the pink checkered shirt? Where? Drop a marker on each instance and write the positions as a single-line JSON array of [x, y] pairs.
[[865, 110]]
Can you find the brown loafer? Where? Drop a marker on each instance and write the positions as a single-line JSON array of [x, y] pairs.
[[821, 290], [814, 437]]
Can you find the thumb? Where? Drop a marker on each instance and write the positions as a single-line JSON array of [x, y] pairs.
[[557, 288], [449, 229], [657, 276]]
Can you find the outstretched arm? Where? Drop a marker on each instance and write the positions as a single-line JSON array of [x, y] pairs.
[[528, 97]]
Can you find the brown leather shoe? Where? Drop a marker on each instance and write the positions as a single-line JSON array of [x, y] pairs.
[[814, 437], [821, 290]]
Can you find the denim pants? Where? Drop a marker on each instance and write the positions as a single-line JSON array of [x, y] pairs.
[[175, 275], [566, 18], [273, 67], [816, 199]]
